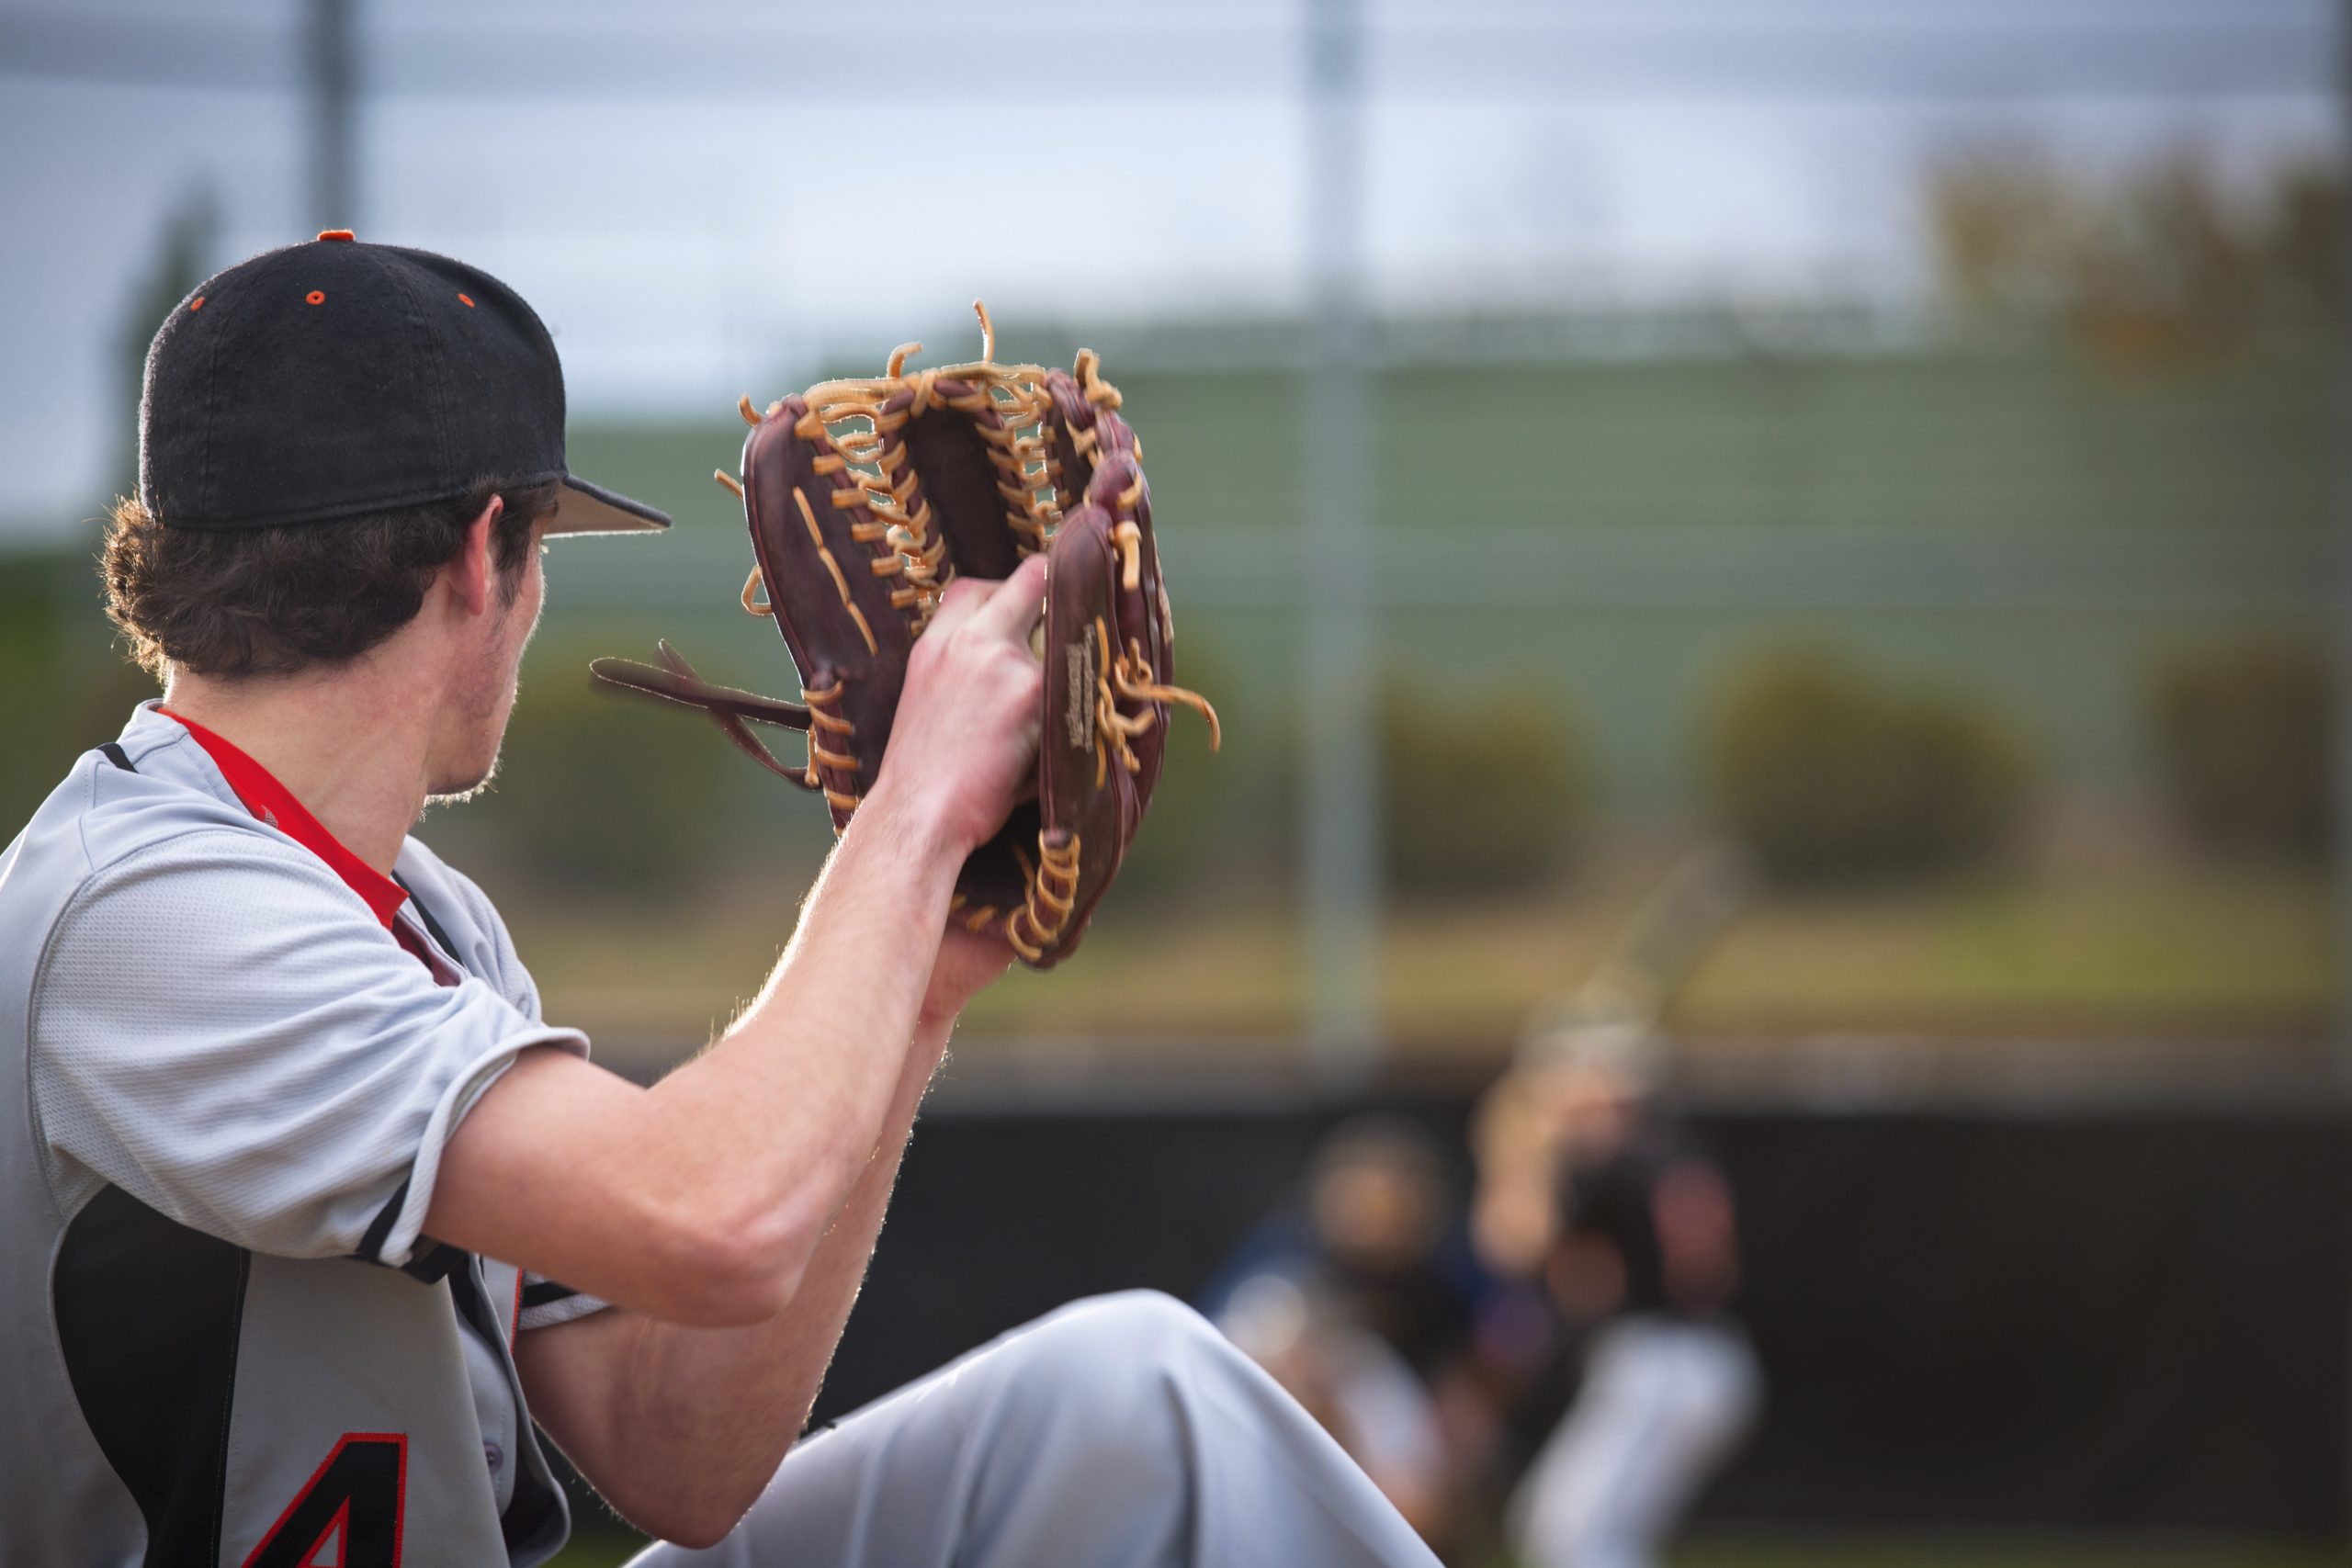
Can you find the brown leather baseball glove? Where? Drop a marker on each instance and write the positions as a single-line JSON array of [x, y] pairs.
[[865, 498]]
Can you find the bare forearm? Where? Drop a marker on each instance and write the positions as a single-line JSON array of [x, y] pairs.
[[796, 1096], [696, 1419], [710, 1193], [762, 1382]]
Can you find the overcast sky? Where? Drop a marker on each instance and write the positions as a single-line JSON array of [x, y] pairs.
[[702, 195]]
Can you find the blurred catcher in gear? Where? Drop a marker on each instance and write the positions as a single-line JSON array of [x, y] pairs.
[[1588, 1182], [1358, 1297], [319, 1231]]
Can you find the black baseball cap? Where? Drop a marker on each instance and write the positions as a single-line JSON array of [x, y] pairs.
[[335, 379]]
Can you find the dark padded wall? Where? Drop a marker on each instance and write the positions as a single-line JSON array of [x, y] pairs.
[[2130, 1321], [2111, 1321]]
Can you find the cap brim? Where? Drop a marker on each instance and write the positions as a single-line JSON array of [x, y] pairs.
[[584, 508]]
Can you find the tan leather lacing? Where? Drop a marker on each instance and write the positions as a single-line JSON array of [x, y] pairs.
[[824, 714], [1129, 678], [1132, 677], [815, 535], [847, 418], [1101, 393], [1053, 893], [1128, 535], [1114, 732], [862, 433], [976, 918], [752, 584]]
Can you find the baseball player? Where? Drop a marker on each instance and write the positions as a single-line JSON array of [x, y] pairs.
[[316, 1226], [1633, 1233], [1588, 1183], [1359, 1300]]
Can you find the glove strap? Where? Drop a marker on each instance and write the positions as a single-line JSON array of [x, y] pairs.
[[727, 707]]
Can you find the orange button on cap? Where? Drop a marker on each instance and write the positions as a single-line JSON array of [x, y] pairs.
[[336, 235]]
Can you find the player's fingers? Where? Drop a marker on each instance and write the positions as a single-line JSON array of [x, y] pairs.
[[1015, 607], [957, 602]]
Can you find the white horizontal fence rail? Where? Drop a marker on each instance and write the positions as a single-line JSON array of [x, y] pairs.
[[1798, 568], [1692, 567]]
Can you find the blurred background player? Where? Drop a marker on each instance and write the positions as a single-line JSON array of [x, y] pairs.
[[1588, 1182], [1357, 1298]]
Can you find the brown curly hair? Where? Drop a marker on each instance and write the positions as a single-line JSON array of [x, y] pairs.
[[272, 601]]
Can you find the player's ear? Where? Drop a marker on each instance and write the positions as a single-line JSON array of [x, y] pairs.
[[473, 573]]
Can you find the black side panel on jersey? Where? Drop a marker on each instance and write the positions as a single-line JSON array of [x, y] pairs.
[[425, 913], [147, 1314], [532, 1503], [546, 1293]]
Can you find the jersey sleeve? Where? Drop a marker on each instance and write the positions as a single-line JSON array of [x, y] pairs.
[[489, 948], [221, 1028], [546, 1303]]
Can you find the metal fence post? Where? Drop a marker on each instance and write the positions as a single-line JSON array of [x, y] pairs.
[[330, 61], [1340, 804]]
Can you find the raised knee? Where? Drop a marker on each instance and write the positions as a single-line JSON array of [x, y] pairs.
[[1108, 1377], [1156, 1315], [1133, 1327], [1117, 1358]]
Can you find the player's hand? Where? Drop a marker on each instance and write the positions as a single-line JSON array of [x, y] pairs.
[[965, 967], [963, 746]]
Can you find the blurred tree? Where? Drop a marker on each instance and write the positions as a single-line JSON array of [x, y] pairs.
[[2162, 265], [1831, 777], [71, 688], [600, 795], [39, 749], [2243, 731], [185, 246], [1483, 793], [2304, 243], [2004, 226]]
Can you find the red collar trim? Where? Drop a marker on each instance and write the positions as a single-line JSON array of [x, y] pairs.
[[275, 804]]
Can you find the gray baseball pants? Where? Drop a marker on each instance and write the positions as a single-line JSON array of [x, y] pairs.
[[1121, 1430], [1663, 1406]]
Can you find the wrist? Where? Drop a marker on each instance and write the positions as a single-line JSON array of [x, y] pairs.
[[919, 824], [944, 996], [965, 965], [943, 1000], [936, 1017]]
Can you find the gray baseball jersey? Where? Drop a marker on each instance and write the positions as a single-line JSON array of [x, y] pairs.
[[227, 1074]]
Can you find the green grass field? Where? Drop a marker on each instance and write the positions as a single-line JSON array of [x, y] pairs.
[[2165, 951], [2140, 1555], [601, 1547]]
